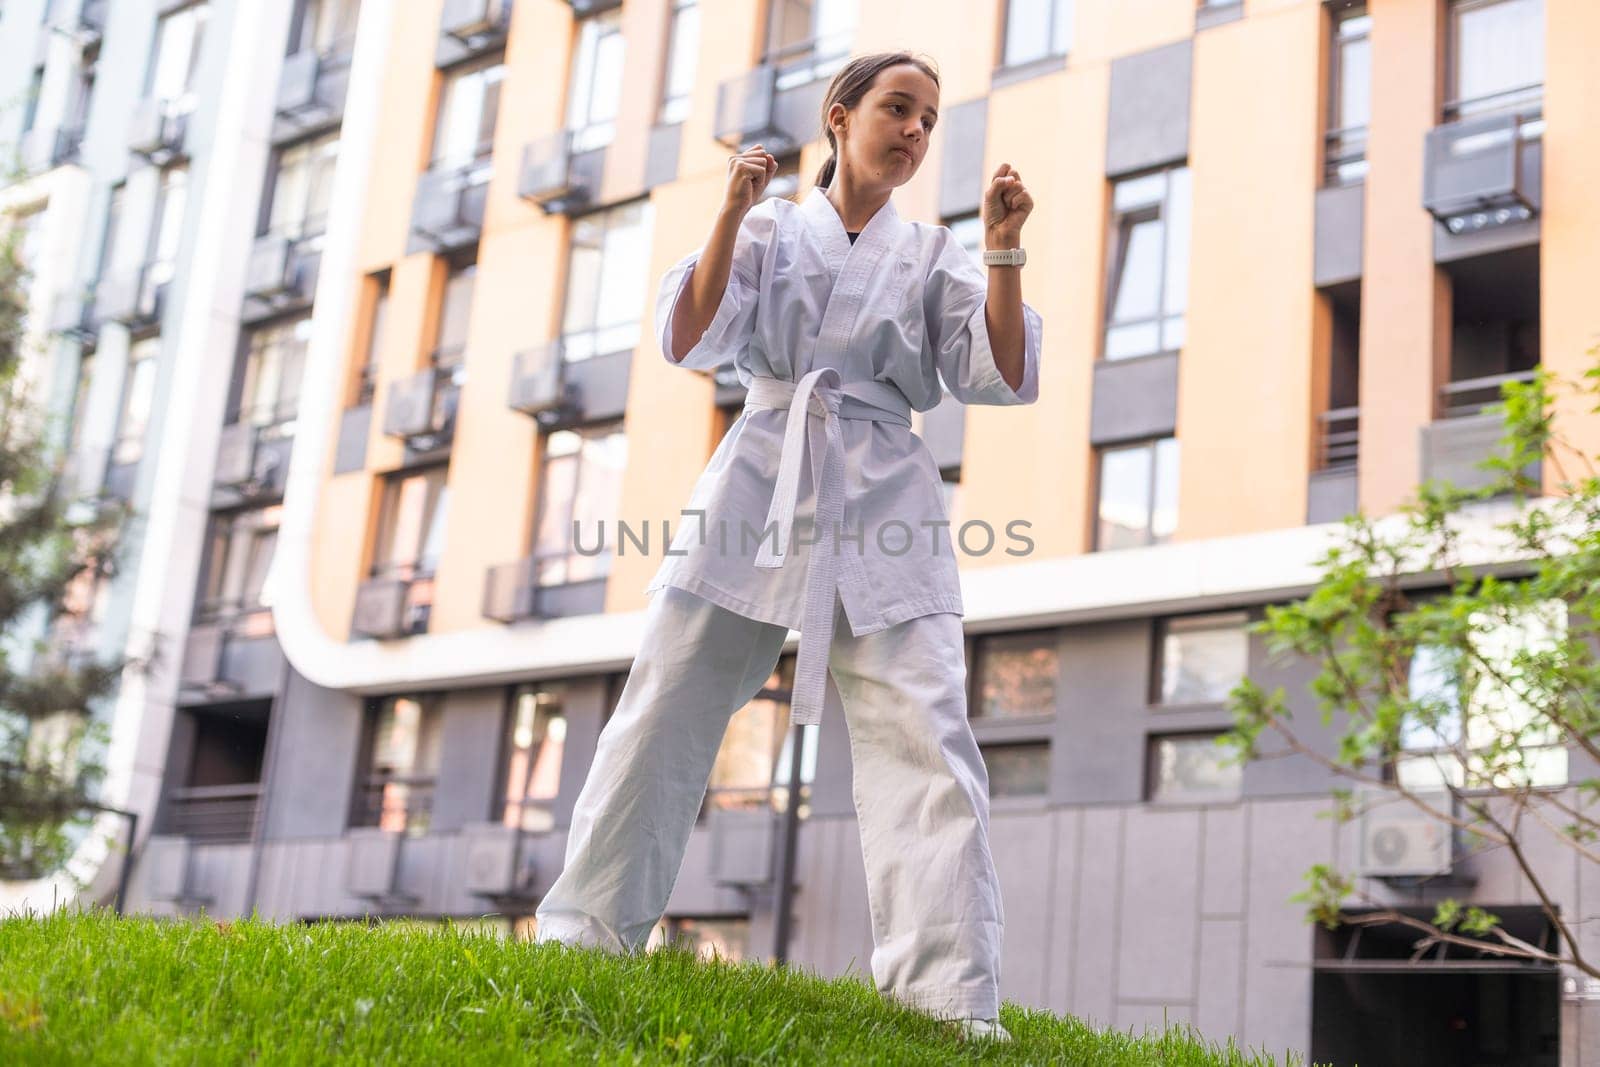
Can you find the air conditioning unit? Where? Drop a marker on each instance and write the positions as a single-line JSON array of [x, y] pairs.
[[373, 860], [491, 859], [742, 843], [409, 411], [1398, 841], [380, 608]]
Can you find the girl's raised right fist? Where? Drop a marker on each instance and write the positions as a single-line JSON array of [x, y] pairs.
[[748, 175]]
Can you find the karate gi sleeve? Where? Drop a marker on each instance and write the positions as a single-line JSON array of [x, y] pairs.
[[735, 318], [958, 332]]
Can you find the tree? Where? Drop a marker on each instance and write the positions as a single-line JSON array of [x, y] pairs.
[[1462, 705], [52, 551]]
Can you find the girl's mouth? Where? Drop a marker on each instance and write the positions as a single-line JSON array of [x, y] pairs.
[[907, 154]]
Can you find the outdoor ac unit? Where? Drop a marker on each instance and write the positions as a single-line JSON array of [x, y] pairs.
[[380, 607], [166, 866], [410, 408], [491, 859], [1404, 845], [374, 857], [742, 843]]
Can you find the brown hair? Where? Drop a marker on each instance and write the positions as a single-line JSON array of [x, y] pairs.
[[851, 84]]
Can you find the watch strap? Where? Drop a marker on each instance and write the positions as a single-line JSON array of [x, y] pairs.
[[1004, 257]]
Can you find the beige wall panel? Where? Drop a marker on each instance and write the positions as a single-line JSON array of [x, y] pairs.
[[1244, 375], [1107, 29], [1570, 256]]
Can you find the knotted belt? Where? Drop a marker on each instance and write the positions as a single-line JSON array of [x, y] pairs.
[[818, 394]]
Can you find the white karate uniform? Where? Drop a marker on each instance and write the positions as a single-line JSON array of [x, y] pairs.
[[836, 344]]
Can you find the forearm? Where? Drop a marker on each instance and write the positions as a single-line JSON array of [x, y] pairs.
[[1003, 315], [708, 281]]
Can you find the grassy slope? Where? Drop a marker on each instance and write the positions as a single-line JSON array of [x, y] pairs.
[[90, 988]]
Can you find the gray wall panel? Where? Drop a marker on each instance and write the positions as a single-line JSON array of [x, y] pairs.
[[1160, 888], [316, 761], [1148, 115], [1339, 228], [1023, 847], [469, 754], [1099, 737], [1134, 399], [1099, 916]]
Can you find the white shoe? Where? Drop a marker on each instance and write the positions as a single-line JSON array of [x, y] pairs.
[[983, 1029]]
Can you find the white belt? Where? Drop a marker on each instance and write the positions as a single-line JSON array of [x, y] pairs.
[[818, 393]]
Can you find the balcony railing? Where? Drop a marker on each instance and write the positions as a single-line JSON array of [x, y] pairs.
[[245, 461], [1339, 437], [1344, 155], [746, 112], [547, 177], [71, 315], [539, 385], [282, 269], [311, 89], [1475, 173], [1470, 396], [158, 131], [422, 409], [132, 297], [449, 205], [396, 802], [383, 607], [83, 20], [476, 24], [213, 813], [544, 586]]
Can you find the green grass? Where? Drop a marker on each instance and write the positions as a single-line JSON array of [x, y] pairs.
[[92, 988]]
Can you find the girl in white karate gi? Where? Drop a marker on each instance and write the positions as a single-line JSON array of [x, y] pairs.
[[840, 319]]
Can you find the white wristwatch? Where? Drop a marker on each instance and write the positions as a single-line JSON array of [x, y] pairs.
[[1004, 257]]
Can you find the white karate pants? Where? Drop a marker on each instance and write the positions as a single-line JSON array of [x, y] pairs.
[[920, 790]]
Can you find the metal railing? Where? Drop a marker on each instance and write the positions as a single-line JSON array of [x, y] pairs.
[[214, 813], [396, 802], [1339, 437], [1470, 396]]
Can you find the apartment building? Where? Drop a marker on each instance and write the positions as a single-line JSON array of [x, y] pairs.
[[1285, 252]]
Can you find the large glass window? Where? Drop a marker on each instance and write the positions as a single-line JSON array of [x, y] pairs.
[[607, 273], [395, 788], [1476, 724], [535, 745], [1017, 675], [411, 524], [580, 486], [455, 315], [1138, 494], [302, 187], [1036, 29], [594, 93], [1349, 96], [809, 39], [1148, 271], [1018, 770], [1191, 768], [325, 27], [683, 53], [1200, 658], [269, 394], [469, 104], [237, 558], [138, 396], [171, 74], [1496, 57]]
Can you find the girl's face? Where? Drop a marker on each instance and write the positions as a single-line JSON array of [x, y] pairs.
[[884, 138]]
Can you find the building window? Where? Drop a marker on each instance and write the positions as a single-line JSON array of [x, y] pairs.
[[168, 230], [579, 486], [411, 525], [326, 27], [1349, 97], [30, 103], [968, 231], [1138, 495], [595, 92], [455, 315], [1016, 675], [302, 187], [109, 237], [1473, 725], [1036, 29], [1018, 770], [367, 376], [395, 791], [607, 271], [752, 765], [274, 366], [469, 103], [809, 39], [683, 53], [1200, 658], [1191, 768], [1496, 57], [1148, 283], [238, 553], [536, 742], [716, 938], [138, 395], [171, 75]]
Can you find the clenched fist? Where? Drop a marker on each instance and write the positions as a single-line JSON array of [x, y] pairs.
[[748, 175], [1006, 205]]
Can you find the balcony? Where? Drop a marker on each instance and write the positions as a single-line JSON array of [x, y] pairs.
[[517, 591], [401, 803], [71, 316], [281, 274], [748, 113], [252, 460], [82, 20], [470, 28], [539, 386], [213, 814], [158, 131], [421, 409], [134, 298], [1333, 489], [556, 178], [311, 91], [203, 648], [1481, 172], [448, 209], [1466, 433]]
